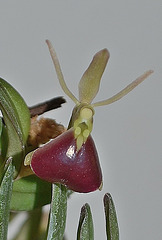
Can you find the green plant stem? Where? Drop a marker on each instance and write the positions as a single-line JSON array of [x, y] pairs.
[[5, 197]]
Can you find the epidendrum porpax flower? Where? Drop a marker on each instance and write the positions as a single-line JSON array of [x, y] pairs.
[[71, 158]]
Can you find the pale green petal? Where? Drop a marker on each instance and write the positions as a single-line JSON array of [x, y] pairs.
[[125, 91], [90, 81]]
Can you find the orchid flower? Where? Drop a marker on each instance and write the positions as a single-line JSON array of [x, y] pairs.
[[71, 158]]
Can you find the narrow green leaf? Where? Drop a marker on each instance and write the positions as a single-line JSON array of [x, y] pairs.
[[5, 196], [58, 213], [112, 229], [20, 108], [30, 192], [17, 120], [14, 134], [85, 228]]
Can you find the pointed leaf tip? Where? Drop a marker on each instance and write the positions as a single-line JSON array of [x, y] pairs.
[[112, 229], [90, 81], [85, 227]]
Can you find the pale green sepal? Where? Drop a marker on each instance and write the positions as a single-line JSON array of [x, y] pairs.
[[90, 81], [59, 73]]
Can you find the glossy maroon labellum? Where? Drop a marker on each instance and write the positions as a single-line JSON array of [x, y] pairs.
[[59, 162]]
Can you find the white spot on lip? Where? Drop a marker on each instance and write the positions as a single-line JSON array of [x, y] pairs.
[[70, 152]]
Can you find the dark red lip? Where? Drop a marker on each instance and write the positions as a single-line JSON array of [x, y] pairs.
[[59, 162]]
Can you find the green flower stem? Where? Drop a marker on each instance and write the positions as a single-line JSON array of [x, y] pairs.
[[58, 211], [5, 197]]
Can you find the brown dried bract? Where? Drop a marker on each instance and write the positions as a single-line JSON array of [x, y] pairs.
[[42, 130]]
